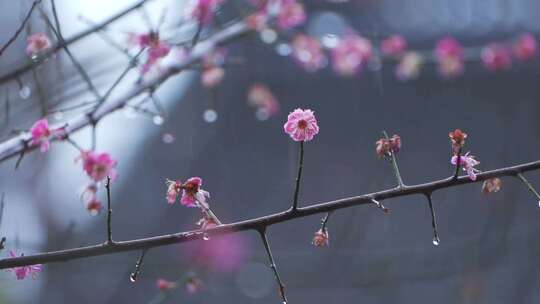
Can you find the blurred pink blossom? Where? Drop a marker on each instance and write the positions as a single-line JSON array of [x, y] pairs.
[[301, 125], [291, 14], [94, 207], [261, 97], [193, 285], [164, 285], [98, 165], [394, 45], [351, 54], [37, 43], [23, 271], [224, 253], [41, 134], [213, 76], [449, 54], [526, 47], [308, 53], [203, 10], [467, 162], [409, 66], [496, 57], [155, 48]]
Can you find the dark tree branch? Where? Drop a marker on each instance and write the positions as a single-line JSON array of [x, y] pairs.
[[529, 186], [436, 239], [21, 27], [260, 223], [273, 266]]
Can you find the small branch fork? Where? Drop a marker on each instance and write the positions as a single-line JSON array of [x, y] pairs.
[[259, 224]]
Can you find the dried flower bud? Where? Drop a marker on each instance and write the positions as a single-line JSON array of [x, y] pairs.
[[457, 137], [491, 185], [321, 238], [164, 285], [384, 146]]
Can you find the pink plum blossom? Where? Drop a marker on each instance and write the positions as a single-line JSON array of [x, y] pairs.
[[526, 47], [468, 162], [308, 53], [203, 10], [351, 54], [291, 14], [262, 98], [301, 125], [164, 285], [155, 48], [394, 45], [409, 66], [449, 54], [23, 271], [385, 147], [37, 43], [321, 238], [496, 57], [191, 192], [98, 165], [41, 134], [173, 190]]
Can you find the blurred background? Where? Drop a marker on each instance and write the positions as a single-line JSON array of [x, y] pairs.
[[488, 251]]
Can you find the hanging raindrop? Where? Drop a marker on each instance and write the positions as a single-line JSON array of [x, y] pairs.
[[133, 277], [538, 203], [158, 120], [436, 241], [205, 237], [167, 138], [25, 92], [210, 115]]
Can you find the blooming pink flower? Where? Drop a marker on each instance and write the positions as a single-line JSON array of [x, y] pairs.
[[23, 271], [351, 54], [261, 97], [213, 76], [394, 45], [193, 193], [496, 57], [173, 190], [164, 285], [202, 10], [98, 165], [384, 147], [526, 47], [449, 54], [409, 66], [155, 48], [37, 43], [467, 162], [491, 185], [301, 125], [291, 14], [41, 134], [308, 53], [321, 238]]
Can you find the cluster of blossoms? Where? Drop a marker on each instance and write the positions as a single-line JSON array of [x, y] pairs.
[[467, 161], [260, 97], [42, 134], [98, 166], [203, 10], [156, 49], [351, 55], [385, 147], [289, 14], [36, 44], [25, 271]]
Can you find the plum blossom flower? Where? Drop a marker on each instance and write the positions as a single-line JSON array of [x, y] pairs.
[[468, 162], [351, 54], [496, 57], [37, 43], [449, 54], [394, 45], [409, 66], [164, 285], [203, 10], [261, 97], [321, 238], [491, 185], [23, 271], [98, 165], [291, 14], [156, 48], [173, 190], [526, 47], [41, 133], [308, 53], [301, 125], [457, 138], [193, 193], [384, 147]]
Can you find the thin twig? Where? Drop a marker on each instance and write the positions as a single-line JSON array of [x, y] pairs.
[[21, 27], [261, 222], [109, 211], [138, 266], [458, 163], [273, 266], [324, 221], [436, 239], [529, 186], [380, 206], [298, 177], [394, 164]]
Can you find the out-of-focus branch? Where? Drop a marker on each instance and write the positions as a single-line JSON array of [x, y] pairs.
[[259, 224], [21, 27], [42, 58], [20, 143]]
